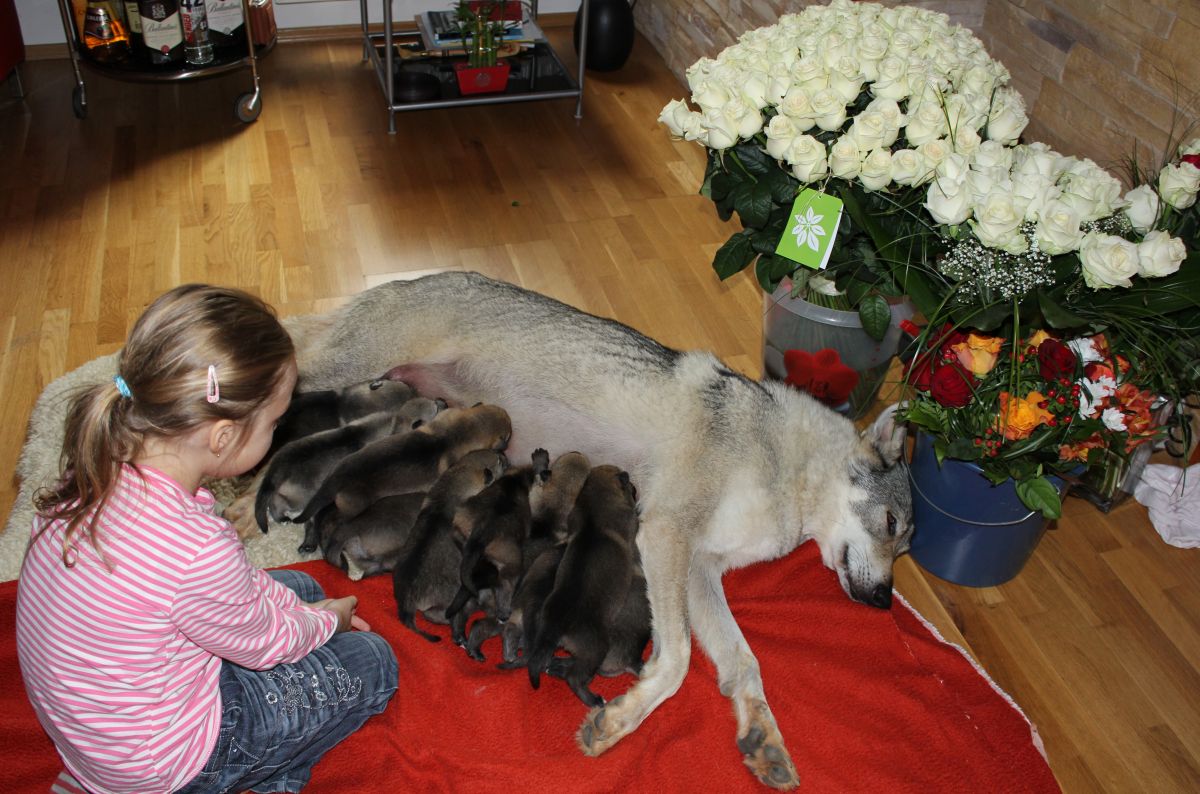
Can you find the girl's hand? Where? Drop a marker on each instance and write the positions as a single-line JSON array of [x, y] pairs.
[[344, 609]]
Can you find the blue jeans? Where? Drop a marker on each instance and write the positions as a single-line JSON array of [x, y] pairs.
[[277, 723]]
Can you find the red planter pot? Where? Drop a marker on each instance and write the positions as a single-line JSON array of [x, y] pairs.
[[481, 79]]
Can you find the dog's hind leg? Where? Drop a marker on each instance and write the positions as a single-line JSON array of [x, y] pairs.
[[739, 677], [666, 558]]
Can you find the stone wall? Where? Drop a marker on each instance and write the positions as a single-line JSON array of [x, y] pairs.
[[1097, 75]]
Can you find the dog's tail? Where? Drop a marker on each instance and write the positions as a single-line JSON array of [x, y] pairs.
[[408, 567], [320, 500], [541, 648]]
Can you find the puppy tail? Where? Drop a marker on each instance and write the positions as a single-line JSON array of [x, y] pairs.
[[321, 499], [539, 654]]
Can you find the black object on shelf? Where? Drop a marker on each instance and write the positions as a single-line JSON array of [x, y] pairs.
[[610, 31]]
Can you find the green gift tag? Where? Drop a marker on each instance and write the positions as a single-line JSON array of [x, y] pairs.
[[811, 230]]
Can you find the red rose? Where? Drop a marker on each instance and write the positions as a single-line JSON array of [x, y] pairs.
[[952, 385], [920, 370], [1193, 159], [1055, 360]]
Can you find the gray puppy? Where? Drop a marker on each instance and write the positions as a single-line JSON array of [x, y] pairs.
[[315, 411], [426, 578], [409, 463], [591, 585], [370, 543]]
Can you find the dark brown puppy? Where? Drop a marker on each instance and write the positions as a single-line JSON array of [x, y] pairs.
[[553, 494], [409, 463], [314, 411], [592, 583], [426, 578], [542, 558]]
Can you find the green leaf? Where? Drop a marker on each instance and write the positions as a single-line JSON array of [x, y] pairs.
[[753, 204], [754, 159], [875, 315], [765, 241], [962, 449], [1056, 315], [733, 257], [771, 269], [783, 187], [1039, 494], [719, 185]]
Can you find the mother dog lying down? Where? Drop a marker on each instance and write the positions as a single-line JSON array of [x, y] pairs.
[[729, 471]]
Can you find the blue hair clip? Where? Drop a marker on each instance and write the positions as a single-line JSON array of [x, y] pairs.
[[122, 386]]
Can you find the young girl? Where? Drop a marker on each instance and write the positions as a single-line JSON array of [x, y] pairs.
[[157, 658]]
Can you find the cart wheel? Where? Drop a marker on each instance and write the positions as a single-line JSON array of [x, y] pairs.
[[248, 107], [78, 103]]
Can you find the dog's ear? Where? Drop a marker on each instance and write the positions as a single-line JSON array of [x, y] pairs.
[[441, 404], [887, 435]]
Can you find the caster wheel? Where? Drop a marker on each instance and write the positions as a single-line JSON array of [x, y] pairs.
[[247, 108], [78, 103]]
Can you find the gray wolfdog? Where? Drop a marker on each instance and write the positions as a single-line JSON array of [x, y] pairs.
[[730, 471]]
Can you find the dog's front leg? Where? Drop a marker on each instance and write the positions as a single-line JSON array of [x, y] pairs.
[[665, 558], [759, 738]]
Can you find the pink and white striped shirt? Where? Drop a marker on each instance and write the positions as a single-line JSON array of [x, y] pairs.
[[122, 661]]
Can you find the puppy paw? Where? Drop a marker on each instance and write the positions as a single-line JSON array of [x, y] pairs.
[[767, 758], [601, 729], [241, 514]]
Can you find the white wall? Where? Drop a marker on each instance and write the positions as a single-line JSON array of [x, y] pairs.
[[41, 22]]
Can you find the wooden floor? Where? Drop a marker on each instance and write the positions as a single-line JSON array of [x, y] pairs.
[[1098, 639]]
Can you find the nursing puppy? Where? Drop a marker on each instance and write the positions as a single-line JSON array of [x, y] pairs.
[[411, 462], [731, 471], [426, 576], [370, 543], [299, 468], [492, 528], [591, 584], [542, 558], [313, 412], [553, 494]]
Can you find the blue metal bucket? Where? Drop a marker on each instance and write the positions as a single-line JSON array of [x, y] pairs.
[[966, 530]]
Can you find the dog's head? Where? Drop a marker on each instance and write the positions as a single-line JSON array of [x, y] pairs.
[[879, 526]]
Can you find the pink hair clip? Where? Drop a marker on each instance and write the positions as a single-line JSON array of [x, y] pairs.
[[213, 392]]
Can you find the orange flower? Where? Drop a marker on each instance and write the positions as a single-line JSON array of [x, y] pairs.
[[1019, 417], [1135, 404], [978, 353], [1035, 341], [1079, 450]]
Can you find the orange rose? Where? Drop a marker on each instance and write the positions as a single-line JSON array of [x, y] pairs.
[[978, 353], [1035, 341], [1019, 417]]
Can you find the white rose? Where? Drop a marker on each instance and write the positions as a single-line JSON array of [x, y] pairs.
[[1178, 184], [829, 109], [1108, 261], [780, 133], [797, 106], [845, 158], [747, 119], [719, 131], [954, 166], [966, 141], [807, 157], [892, 82], [1190, 148], [779, 80], [754, 89], [680, 120], [1160, 254], [1007, 119], [1032, 194], [876, 170], [872, 46], [1058, 229], [1092, 191], [809, 74], [890, 110], [1142, 208], [846, 78], [997, 223], [991, 154], [1040, 160], [949, 202], [935, 152], [711, 96], [981, 181], [908, 168], [927, 122], [869, 131]]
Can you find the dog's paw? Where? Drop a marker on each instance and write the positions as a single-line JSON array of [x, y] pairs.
[[241, 514], [767, 759], [601, 729]]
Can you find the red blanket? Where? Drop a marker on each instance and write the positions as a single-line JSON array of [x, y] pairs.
[[867, 701]]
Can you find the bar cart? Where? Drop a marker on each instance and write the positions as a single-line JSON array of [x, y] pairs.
[[538, 73], [247, 106]]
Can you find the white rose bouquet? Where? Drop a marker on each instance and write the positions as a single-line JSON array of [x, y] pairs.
[[906, 119]]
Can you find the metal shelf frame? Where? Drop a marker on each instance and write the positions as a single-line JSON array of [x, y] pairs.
[[385, 65]]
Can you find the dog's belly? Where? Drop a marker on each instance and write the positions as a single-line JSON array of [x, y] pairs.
[[539, 419], [748, 525]]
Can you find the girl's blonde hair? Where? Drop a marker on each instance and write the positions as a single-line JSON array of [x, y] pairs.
[[164, 368]]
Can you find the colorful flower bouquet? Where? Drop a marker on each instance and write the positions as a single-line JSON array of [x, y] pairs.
[[907, 120]]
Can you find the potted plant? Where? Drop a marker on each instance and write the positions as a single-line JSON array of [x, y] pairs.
[[482, 25], [855, 101]]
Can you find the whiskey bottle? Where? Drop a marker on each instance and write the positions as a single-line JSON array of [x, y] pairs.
[[226, 24], [162, 30], [105, 37], [133, 20], [197, 48]]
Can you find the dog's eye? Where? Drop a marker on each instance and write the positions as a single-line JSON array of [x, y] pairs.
[[891, 524]]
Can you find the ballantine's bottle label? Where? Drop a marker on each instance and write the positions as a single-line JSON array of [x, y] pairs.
[[160, 30], [225, 16]]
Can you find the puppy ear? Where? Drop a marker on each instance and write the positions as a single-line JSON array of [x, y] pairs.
[[375, 384], [488, 476], [417, 423], [441, 404], [887, 435]]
